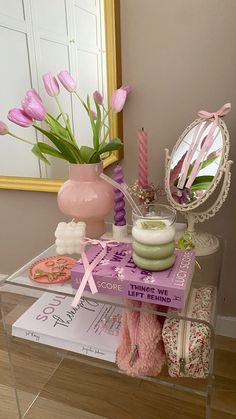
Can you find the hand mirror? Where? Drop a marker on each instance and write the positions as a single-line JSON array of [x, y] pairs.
[[195, 167]]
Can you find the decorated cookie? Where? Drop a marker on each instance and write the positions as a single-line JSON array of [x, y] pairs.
[[52, 270]]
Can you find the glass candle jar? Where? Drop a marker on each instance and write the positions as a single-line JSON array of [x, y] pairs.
[[153, 236]]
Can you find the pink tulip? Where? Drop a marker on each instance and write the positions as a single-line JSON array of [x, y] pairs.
[[94, 115], [127, 88], [98, 97], [215, 153], [34, 93], [33, 106], [51, 84], [118, 100], [19, 117], [3, 128], [67, 81]]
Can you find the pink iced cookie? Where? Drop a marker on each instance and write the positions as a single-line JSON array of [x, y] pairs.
[[52, 270]]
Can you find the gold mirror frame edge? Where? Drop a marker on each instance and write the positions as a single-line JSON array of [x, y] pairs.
[[112, 24]]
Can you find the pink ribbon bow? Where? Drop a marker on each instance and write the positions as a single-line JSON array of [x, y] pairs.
[[88, 268], [206, 144], [224, 110]]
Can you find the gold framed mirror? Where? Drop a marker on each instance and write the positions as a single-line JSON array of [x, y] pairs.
[[113, 75]]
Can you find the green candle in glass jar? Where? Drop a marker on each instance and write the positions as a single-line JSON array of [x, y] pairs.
[[153, 236]]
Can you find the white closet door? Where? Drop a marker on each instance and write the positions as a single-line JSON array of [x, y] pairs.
[[89, 60], [52, 55], [48, 36], [16, 158]]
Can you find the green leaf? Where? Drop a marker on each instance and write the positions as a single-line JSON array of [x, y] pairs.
[[56, 127], [68, 150], [95, 158], [114, 144], [201, 183], [58, 117], [86, 153], [200, 186], [47, 149], [59, 130], [202, 179], [207, 162], [36, 151]]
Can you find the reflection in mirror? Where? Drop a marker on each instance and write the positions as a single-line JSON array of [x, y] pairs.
[[196, 162], [78, 35], [196, 167]]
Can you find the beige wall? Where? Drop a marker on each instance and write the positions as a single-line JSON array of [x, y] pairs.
[[179, 56]]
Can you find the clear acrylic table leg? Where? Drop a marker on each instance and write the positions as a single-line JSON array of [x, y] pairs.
[[10, 357], [26, 390]]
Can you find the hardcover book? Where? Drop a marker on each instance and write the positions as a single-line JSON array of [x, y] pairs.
[[117, 274], [90, 329]]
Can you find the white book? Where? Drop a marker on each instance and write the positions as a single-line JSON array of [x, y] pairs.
[[90, 329]]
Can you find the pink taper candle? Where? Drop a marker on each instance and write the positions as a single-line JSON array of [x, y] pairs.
[[142, 158]]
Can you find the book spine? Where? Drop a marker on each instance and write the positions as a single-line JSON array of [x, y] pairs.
[[110, 286], [84, 349], [150, 293]]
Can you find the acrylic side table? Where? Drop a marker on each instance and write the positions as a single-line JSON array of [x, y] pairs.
[[33, 364]]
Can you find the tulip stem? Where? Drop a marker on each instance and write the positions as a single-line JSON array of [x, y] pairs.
[[105, 116], [21, 139], [65, 119], [81, 100], [108, 129], [104, 139]]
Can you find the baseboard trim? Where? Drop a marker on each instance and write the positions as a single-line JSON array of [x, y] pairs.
[[226, 326]]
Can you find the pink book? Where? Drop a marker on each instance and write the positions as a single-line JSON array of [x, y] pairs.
[[117, 274]]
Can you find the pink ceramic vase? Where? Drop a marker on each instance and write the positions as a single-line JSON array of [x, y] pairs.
[[87, 197]]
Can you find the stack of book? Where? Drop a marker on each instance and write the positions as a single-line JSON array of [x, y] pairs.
[[117, 275]]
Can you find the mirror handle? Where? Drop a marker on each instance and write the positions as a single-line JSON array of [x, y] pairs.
[[167, 153]]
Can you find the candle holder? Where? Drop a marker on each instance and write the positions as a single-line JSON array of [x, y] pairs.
[[119, 233], [153, 235], [119, 228]]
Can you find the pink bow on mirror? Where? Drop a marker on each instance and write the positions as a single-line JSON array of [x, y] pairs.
[[224, 110]]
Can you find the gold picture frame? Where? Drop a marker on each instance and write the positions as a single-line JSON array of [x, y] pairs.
[[112, 30]]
